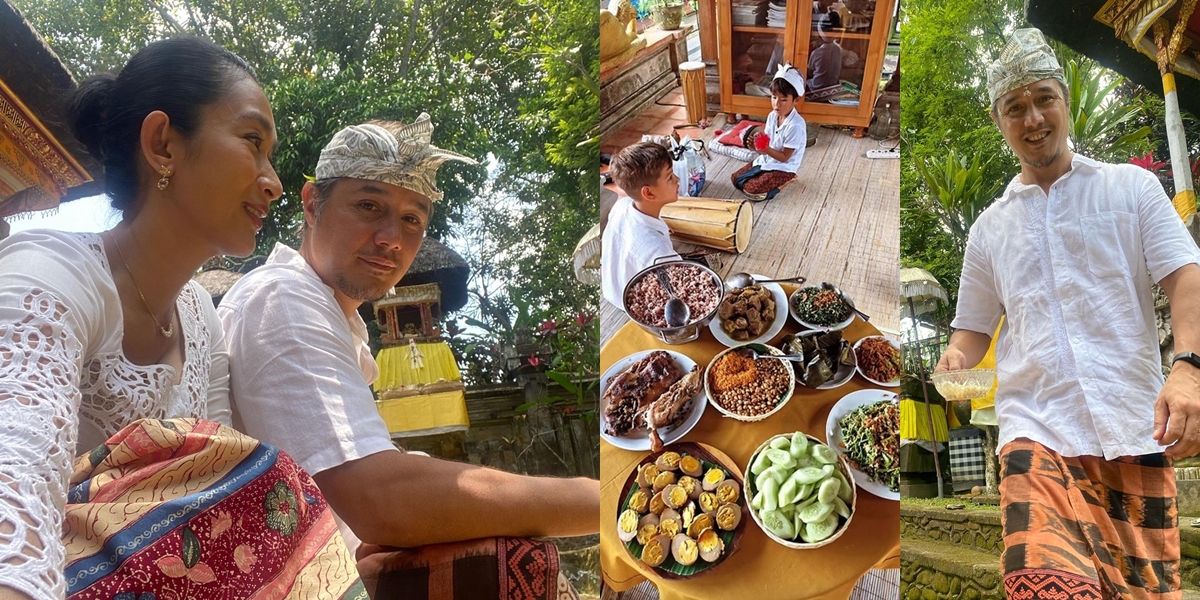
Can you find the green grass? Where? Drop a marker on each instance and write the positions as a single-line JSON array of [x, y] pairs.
[[941, 503]]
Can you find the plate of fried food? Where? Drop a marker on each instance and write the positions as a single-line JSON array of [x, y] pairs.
[[681, 511], [649, 399], [751, 314], [864, 427]]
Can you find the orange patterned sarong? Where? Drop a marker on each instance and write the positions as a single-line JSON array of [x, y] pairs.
[[1087, 528], [187, 508]]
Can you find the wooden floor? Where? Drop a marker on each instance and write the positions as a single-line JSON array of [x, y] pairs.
[[838, 222]]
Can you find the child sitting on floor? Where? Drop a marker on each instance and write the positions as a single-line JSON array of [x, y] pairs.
[[781, 143], [635, 236]]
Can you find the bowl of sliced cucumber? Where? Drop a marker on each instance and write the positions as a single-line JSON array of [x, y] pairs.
[[799, 491]]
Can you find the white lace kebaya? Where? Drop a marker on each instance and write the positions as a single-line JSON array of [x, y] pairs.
[[66, 387]]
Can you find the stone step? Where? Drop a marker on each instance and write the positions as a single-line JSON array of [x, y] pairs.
[[934, 571], [938, 571], [977, 530]]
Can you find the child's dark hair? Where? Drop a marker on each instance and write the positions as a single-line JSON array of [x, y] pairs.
[[639, 165], [178, 76], [781, 86]]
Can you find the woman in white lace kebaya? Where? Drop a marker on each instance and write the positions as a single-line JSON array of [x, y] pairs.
[[99, 331]]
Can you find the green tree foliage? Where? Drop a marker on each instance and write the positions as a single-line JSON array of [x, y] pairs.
[[1100, 118], [512, 83], [945, 47], [959, 191]]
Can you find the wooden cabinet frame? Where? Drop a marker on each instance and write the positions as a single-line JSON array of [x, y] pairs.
[[796, 47]]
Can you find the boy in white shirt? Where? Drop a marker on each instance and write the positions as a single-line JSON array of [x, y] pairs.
[[635, 236], [781, 144]]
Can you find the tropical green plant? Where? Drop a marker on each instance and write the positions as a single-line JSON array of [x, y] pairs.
[[959, 190], [1101, 120]]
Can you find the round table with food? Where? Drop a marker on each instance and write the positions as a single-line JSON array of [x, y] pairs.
[[752, 451]]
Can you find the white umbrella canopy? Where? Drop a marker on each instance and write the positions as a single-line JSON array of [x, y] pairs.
[[922, 288], [587, 257]]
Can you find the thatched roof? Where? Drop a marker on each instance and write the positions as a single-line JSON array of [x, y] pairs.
[[40, 82], [438, 263], [1073, 23], [217, 281]]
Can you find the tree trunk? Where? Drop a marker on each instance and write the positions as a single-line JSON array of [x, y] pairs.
[[992, 464]]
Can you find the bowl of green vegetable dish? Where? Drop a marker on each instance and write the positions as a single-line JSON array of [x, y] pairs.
[[820, 309], [800, 492]]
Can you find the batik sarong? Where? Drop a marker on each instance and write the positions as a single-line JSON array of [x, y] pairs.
[[485, 569], [1086, 528], [190, 509], [754, 180]]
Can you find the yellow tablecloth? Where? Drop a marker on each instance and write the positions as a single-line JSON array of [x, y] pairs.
[[760, 569]]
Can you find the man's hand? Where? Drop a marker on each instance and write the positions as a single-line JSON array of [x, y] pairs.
[[952, 360], [966, 349], [1177, 412]]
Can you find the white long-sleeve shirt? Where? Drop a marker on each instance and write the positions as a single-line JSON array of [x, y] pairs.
[[66, 386], [631, 242]]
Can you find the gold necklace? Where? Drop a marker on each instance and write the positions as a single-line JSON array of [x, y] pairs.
[[169, 330]]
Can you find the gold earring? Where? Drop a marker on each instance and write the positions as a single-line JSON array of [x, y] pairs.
[[165, 171]]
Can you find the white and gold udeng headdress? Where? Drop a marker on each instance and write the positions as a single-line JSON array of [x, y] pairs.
[[390, 152], [1025, 59]]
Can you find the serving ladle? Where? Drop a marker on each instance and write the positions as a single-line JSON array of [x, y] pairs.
[[741, 280], [829, 286], [676, 313]]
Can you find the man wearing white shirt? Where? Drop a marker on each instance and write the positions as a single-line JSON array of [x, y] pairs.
[[302, 368], [1087, 427]]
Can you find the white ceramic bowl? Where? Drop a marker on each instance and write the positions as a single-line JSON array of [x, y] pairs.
[[858, 360], [835, 327], [781, 315]]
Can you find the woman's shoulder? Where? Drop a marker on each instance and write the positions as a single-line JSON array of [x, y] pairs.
[[40, 246]]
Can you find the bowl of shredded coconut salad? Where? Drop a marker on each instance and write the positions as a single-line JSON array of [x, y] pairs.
[[864, 426]]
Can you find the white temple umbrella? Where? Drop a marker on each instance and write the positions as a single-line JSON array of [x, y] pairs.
[[587, 257], [920, 286]]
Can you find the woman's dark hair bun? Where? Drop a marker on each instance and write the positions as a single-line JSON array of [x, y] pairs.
[[179, 76], [87, 109]]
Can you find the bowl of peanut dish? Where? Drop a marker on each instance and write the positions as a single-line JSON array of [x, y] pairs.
[[746, 388]]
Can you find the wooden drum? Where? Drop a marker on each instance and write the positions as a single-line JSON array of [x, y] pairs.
[[721, 224], [691, 75]]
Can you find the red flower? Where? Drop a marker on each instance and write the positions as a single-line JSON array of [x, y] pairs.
[[534, 361], [548, 326], [1147, 162], [583, 319], [762, 142]]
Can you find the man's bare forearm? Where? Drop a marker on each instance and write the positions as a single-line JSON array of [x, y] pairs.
[[965, 351], [1183, 291], [395, 499]]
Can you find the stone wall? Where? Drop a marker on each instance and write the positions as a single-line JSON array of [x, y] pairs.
[[975, 529], [947, 580]]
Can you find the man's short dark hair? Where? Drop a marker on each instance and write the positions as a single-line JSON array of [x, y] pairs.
[[323, 191], [639, 165]]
